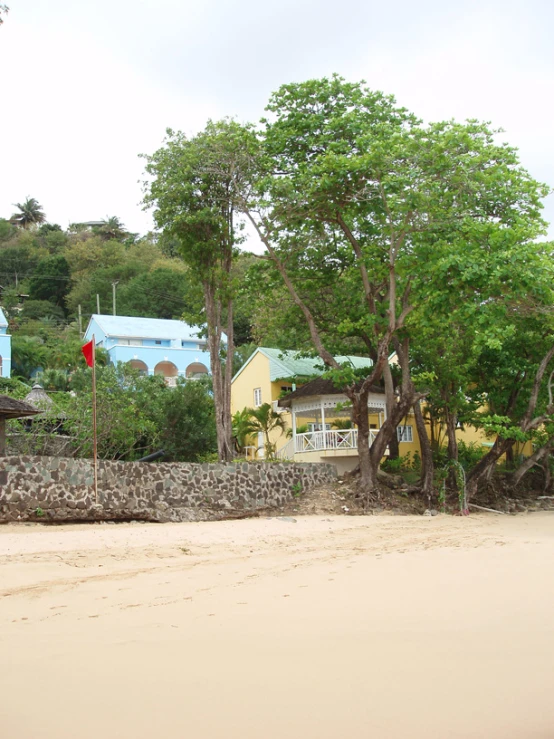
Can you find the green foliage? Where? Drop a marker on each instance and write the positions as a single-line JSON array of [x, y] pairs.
[[14, 387], [137, 415], [161, 293], [53, 380], [342, 423], [242, 428], [265, 420], [29, 353], [6, 229], [51, 280], [185, 418], [36, 309], [241, 355], [297, 489]]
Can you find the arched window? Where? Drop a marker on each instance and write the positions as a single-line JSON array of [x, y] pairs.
[[167, 369], [196, 369]]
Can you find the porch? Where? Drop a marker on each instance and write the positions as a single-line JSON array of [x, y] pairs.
[[322, 426]]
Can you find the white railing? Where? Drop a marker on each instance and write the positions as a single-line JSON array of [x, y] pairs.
[[287, 451], [276, 407], [316, 441]]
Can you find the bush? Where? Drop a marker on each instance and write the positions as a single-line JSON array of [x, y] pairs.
[[470, 454]]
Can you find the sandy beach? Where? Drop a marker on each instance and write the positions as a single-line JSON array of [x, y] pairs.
[[385, 627]]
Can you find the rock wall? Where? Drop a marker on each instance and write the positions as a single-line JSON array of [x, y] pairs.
[[62, 489]]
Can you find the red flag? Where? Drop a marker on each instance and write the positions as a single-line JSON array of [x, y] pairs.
[[88, 353]]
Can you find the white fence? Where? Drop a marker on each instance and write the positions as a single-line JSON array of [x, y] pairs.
[[316, 441]]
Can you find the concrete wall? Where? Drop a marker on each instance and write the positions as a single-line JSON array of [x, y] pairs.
[[58, 489]]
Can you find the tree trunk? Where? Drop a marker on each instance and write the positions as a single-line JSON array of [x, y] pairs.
[[486, 464], [452, 449], [388, 429], [484, 468], [427, 467], [394, 447], [221, 383], [531, 461], [368, 469]]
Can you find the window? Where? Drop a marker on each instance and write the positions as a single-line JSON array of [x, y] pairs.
[[319, 427], [257, 397], [135, 342], [158, 342], [404, 433], [123, 342]]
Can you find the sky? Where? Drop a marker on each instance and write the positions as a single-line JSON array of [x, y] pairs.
[[89, 85]]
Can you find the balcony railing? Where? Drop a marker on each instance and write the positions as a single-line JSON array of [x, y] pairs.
[[315, 441]]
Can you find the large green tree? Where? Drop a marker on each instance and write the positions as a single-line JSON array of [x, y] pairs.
[[357, 194], [193, 189]]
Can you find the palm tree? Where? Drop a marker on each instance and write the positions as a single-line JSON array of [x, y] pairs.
[[30, 214], [112, 228], [265, 420], [242, 428]]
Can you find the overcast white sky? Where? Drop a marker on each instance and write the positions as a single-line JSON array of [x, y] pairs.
[[89, 84]]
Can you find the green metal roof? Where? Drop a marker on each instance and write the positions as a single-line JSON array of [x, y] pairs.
[[285, 364]]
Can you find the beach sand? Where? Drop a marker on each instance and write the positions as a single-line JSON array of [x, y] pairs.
[[324, 628]]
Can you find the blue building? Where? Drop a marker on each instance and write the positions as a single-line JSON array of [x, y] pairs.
[[5, 347], [154, 346]]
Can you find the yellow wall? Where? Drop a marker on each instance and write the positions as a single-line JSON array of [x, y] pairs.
[[254, 375]]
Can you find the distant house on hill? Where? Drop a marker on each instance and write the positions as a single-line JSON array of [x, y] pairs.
[[5, 347], [154, 346]]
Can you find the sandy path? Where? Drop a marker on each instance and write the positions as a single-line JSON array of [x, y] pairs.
[[385, 627]]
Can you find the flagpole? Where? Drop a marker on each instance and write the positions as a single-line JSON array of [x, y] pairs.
[[94, 445]]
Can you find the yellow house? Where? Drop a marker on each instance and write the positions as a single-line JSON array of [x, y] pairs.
[[270, 374], [316, 414]]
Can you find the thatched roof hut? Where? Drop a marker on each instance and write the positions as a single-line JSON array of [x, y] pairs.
[[38, 398]]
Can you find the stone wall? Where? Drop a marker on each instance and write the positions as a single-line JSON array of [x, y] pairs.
[[62, 489]]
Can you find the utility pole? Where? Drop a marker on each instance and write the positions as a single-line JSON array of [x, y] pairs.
[[80, 321], [97, 304], [113, 293]]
